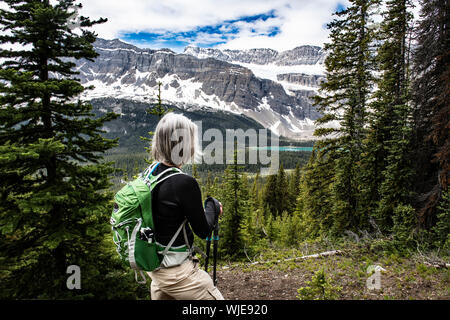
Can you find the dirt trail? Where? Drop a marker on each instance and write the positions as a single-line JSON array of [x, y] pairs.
[[402, 280], [260, 285]]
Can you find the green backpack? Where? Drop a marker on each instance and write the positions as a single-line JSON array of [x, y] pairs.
[[133, 227]]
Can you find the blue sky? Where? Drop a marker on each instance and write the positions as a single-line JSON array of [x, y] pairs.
[[217, 34], [233, 24], [340, 7]]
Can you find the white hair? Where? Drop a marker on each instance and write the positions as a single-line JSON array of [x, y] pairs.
[[175, 140]]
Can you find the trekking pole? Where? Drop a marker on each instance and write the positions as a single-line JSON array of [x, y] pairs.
[[215, 243], [208, 240], [208, 246], [214, 235]]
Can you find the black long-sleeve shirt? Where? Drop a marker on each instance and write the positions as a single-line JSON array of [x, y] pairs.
[[174, 199]]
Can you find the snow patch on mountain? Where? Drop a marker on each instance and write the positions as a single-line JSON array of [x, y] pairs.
[[270, 71], [177, 91]]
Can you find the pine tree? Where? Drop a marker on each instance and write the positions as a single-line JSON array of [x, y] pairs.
[[255, 209], [315, 200], [276, 192], [234, 207], [294, 188], [282, 192], [195, 172], [344, 99], [248, 229], [207, 187], [431, 109], [255, 194], [54, 206], [271, 228], [212, 187], [270, 194], [442, 227], [158, 110], [392, 111]]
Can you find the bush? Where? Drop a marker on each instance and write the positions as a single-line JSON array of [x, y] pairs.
[[442, 227], [319, 288], [404, 223]]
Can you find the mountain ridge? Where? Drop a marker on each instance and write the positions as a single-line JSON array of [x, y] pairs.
[[300, 55], [125, 71]]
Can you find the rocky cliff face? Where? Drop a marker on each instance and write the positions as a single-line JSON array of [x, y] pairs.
[[307, 80], [258, 56], [297, 56], [124, 71]]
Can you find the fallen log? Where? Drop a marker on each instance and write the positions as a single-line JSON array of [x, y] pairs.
[[437, 265], [311, 256], [317, 255]]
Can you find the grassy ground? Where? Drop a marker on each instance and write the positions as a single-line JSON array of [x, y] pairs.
[[406, 276]]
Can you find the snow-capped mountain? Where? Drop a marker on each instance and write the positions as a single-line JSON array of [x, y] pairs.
[[308, 55], [278, 101], [301, 68]]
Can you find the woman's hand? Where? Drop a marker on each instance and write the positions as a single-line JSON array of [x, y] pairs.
[[221, 209]]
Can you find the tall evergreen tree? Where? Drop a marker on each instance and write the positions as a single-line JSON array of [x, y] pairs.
[[276, 192], [158, 110], [294, 188], [54, 208], [256, 208], [344, 99], [234, 206], [390, 124], [255, 191], [282, 192], [431, 109], [270, 194], [315, 200], [195, 171], [248, 227]]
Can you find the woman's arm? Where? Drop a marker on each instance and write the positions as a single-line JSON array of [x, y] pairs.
[[189, 198]]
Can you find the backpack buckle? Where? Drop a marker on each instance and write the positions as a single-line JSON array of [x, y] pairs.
[[147, 234]]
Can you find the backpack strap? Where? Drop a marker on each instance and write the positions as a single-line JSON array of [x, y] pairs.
[[150, 169], [158, 180], [152, 181], [166, 249]]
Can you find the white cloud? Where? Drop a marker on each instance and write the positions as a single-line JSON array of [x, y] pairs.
[[299, 21], [173, 15]]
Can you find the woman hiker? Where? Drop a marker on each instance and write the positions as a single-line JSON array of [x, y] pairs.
[[173, 200]]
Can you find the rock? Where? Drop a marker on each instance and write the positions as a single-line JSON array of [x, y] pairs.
[[297, 56], [308, 80]]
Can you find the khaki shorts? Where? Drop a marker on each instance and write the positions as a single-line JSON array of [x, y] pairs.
[[184, 282]]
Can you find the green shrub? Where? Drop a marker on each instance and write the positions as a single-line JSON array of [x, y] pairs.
[[404, 224], [442, 227], [319, 288]]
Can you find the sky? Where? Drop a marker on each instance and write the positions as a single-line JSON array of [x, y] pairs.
[[224, 24]]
